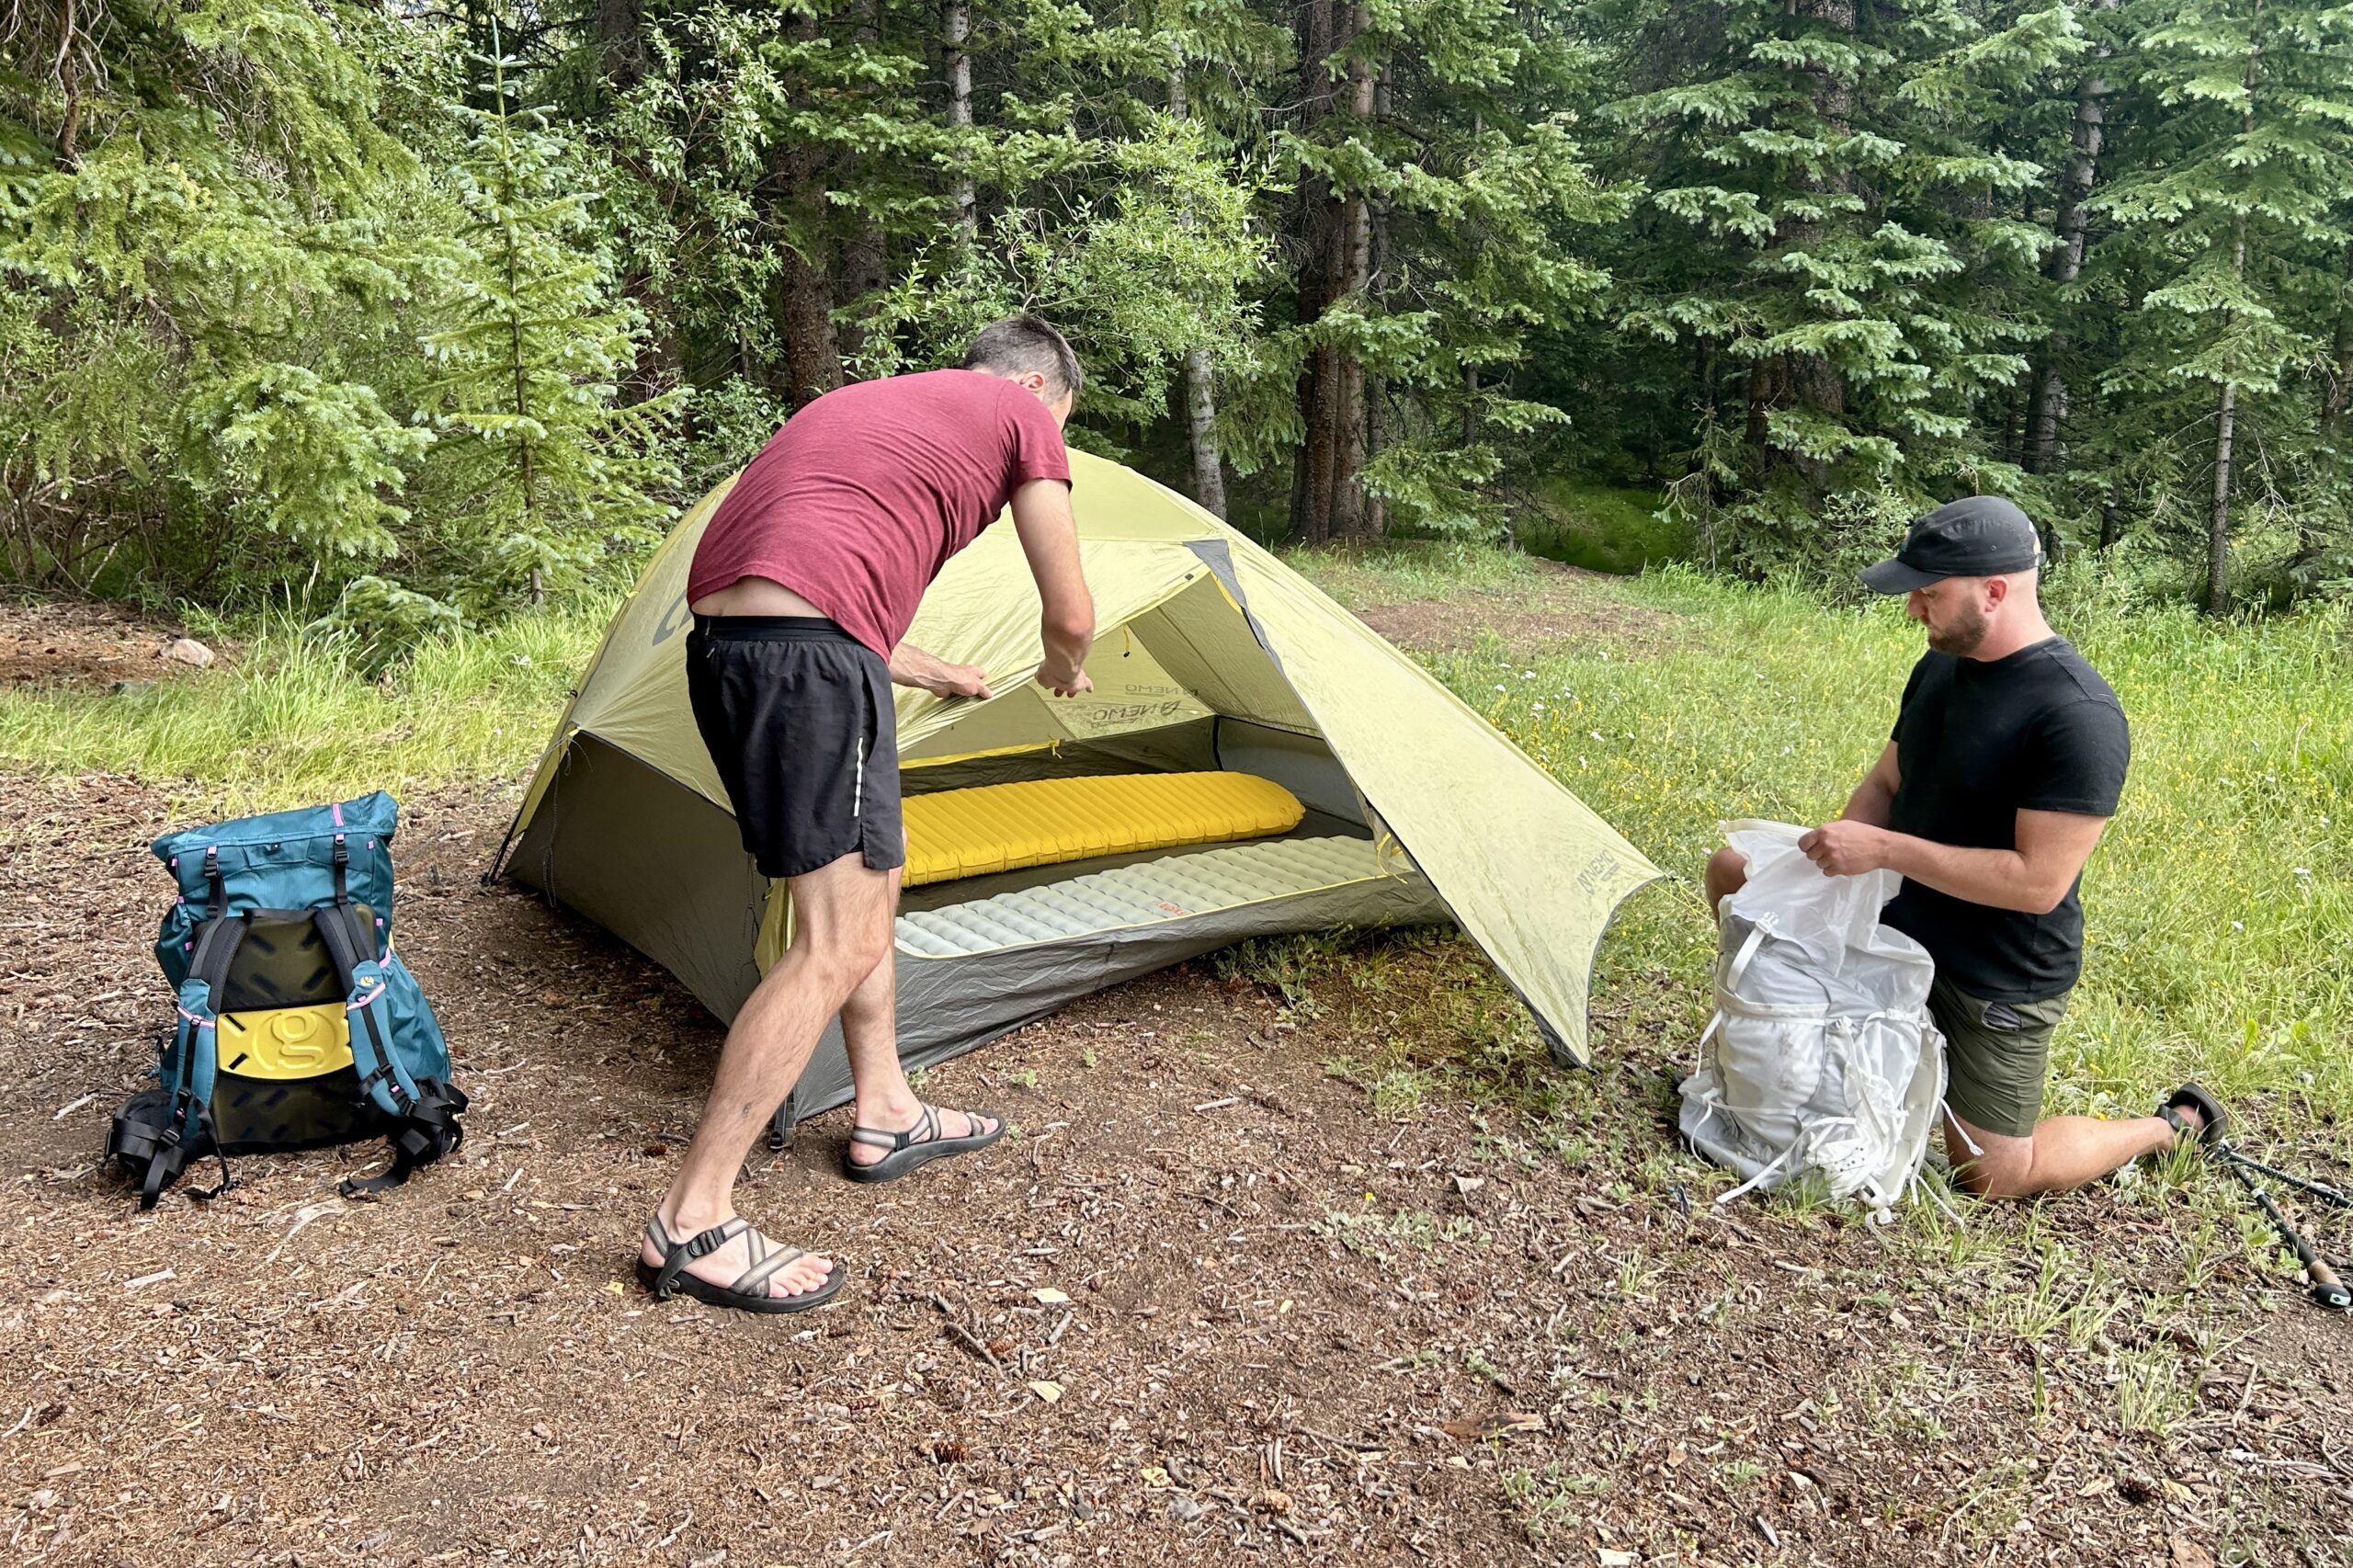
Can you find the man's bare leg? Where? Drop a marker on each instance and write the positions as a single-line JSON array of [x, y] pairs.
[[841, 915], [871, 1037], [2065, 1152]]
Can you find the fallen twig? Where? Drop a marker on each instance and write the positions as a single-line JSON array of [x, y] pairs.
[[966, 1337]]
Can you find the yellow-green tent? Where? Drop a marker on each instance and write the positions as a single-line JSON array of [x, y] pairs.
[[1210, 656]]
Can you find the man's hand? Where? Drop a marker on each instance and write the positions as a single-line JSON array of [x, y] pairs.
[[910, 665], [1847, 848], [960, 681], [1062, 682]]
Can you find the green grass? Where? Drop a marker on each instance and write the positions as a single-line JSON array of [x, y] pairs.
[[2219, 905], [290, 721], [1602, 527], [1387, 572]]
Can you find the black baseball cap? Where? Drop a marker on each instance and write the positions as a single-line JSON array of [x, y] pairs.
[[1980, 536]]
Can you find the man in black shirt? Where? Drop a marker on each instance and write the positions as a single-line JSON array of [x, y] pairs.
[[2006, 760]]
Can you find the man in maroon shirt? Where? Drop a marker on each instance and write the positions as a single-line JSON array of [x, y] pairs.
[[803, 585]]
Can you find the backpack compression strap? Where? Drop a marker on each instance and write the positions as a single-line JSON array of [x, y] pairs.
[[429, 1131], [425, 1108]]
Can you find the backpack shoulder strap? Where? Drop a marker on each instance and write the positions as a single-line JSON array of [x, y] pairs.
[[194, 1039], [383, 1078], [425, 1108]]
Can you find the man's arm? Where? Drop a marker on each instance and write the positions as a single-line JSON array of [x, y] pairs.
[[910, 665], [2033, 877], [1066, 620], [1873, 801]]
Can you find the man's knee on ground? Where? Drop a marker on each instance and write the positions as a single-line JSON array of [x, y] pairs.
[[1989, 1165], [1727, 874], [2005, 1169]]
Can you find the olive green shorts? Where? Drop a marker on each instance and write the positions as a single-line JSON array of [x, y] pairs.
[[1997, 1056]]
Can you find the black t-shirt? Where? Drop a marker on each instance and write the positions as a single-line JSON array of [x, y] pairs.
[[1977, 742]]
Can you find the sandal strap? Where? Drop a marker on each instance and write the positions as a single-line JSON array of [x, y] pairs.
[[753, 1281], [924, 1130], [677, 1254]]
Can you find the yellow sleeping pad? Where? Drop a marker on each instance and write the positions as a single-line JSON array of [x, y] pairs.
[[1045, 821]]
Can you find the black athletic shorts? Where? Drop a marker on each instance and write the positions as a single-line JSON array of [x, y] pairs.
[[796, 713]]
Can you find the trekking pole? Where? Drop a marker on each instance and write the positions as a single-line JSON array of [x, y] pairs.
[[2328, 1288], [2319, 1190]]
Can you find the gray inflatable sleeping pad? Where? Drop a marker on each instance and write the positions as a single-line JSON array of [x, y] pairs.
[[1197, 883]]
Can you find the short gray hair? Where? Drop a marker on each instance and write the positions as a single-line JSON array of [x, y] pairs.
[[1021, 345]]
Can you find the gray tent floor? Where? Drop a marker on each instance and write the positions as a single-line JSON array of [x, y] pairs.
[[1150, 893]]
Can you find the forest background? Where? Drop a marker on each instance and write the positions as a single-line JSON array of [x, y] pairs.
[[405, 316]]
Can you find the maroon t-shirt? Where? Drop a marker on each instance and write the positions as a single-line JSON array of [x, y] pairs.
[[860, 499]]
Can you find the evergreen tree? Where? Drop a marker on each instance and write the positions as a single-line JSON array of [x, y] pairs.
[[548, 471], [1831, 241], [2234, 237], [204, 273], [1443, 211]]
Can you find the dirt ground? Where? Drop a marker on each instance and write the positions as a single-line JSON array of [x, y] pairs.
[[68, 642], [1206, 1303]]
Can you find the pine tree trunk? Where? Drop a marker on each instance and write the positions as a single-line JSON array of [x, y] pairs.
[[813, 365], [2333, 390], [2066, 263], [1200, 378], [804, 285], [2218, 533], [1327, 492], [862, 258], [1201, 415], [69, 81], [1318, 215], [862, 265], [1803, 381], [959, 114], [620, 43]]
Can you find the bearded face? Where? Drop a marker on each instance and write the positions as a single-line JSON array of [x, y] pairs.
[[1953, 612]]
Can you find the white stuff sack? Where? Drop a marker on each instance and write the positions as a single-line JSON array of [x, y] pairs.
[[1821, 1058]]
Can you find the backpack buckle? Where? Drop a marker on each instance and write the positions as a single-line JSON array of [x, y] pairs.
[[402, 1100], [184, 1105]]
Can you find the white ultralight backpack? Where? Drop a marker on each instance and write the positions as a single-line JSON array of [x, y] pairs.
[[1820, 1057]]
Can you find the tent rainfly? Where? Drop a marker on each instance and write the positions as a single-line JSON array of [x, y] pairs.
[[1212, 658]]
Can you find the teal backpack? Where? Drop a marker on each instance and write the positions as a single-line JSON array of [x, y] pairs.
[[297, 1026]]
